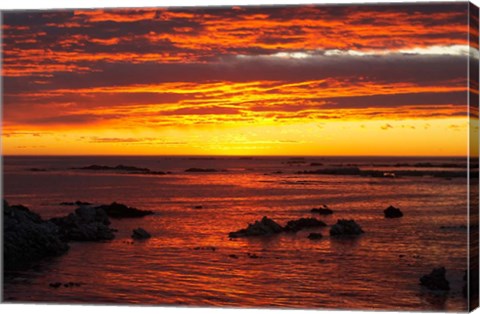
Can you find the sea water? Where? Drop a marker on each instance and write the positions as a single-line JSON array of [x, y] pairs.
[[188, 260]]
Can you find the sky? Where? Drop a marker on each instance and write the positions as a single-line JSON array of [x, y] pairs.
[[248, 80]]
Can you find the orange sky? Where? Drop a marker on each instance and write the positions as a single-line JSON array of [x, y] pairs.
[[298, 80]]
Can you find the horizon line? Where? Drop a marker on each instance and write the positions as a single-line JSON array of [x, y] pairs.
[[225, 155]]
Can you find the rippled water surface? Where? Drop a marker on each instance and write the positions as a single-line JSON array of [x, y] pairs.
[[378, 270]]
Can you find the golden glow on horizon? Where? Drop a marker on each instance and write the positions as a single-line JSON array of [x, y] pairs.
[[409, 137]]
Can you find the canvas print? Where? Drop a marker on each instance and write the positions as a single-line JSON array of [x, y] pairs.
[[300, 156]]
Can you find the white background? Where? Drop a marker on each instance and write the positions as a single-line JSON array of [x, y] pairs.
[[69, 309]]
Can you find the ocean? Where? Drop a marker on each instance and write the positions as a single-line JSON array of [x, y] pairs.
[[188, 260]]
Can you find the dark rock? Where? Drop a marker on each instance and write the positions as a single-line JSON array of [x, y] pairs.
[[436, 280], [151, 172], [264, 227], [198, 207], [140, 234], [315, 236], [201, 170], [346, 227], [233, 256], [117, 210], [27, 238], [315, 164], [86, 224], [392, 212], [55, 284], [116, 168], [76, 203], [335, 171], [302, 223], [253, 255], [205, 248], [324, 210], [37, 169]]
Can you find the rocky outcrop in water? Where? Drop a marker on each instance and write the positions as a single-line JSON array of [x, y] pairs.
[[201, 170], [392, 212], [117, 210], [85, 224], [345, 227], [303, 223], [436, 280], [116, 168], [122, 169], [264, 227], [140, 234], [323, 210], [28, 238], [76, 203]]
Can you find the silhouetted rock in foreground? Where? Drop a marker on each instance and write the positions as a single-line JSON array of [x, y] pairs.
[[117, 210], [302, 223], [392, 212], [346, 227], [436, 280], [324, 210], [263, 227], [86, 224], [140, 234], [27, 238]]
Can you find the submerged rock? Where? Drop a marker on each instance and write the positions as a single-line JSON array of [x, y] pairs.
[[323, 210], [315, 236], [392, 212], [27, 238], [436, 280], [264, 227], [346, 227], [140, 234], [117, 210], [302, 223], [85, 224]]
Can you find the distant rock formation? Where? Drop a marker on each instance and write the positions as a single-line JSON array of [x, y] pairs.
[[436, 280], [76, 203], [121, 168], [302, 223], [28, 238], [264, 227], [392, 212], [118, 210], [346, 227], [201, 170], [323, 210]]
